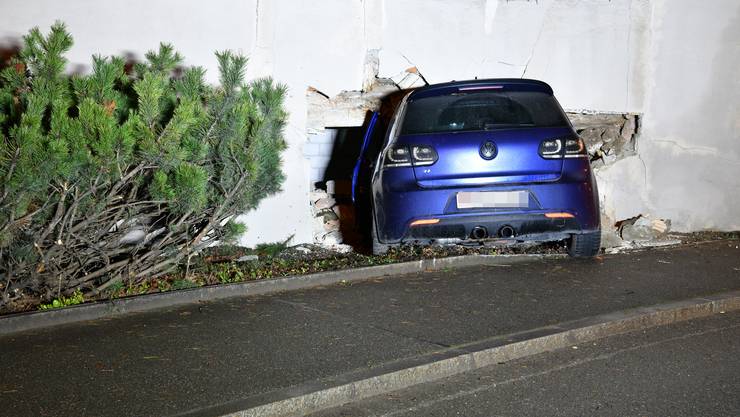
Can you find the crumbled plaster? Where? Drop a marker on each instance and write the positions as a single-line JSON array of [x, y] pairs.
[[370, 69], [608, 136], [334, 221], [642, 228], [350, 108], [346, 109]]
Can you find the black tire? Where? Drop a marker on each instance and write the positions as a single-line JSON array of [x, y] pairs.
[[378, 248], [585, 245]]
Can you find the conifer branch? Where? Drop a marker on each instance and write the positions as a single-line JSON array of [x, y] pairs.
[[115, 177]]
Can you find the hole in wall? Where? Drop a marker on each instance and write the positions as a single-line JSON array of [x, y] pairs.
[[336, 130], [609, 137]]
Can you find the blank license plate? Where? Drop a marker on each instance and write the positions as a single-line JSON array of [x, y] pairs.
[[493, 199]]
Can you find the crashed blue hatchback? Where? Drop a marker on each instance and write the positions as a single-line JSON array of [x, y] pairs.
[[468, 161]]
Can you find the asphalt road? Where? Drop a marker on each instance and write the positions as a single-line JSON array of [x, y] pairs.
[[688, 369], [216, 354]]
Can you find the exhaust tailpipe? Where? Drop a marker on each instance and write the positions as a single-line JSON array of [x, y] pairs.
[[479, 232], [506, 232]]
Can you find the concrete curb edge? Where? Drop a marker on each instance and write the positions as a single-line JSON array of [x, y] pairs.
[[320, 395], [14, 323]]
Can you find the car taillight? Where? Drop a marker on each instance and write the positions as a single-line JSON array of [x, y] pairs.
[[574, 148], [562, 148], [398, 156], [405, 156], [423, 155], [551, 148]]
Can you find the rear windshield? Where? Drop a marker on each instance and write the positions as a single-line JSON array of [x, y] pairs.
[[484, 110]]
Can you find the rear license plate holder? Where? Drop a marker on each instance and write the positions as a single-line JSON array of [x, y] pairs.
[[493, 199]]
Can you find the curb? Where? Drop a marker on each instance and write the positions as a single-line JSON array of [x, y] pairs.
[[19, 322], [335, 391]]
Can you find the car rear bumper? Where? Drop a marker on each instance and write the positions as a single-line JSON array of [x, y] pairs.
[[396, 210], [530, 226]]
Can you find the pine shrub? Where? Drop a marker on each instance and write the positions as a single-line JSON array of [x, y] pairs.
[[123, 174]]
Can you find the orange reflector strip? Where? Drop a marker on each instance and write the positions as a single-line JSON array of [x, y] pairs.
[[424, 221], [559, 215]]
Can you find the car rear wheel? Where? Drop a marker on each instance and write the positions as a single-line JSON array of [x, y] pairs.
[[585, 245]]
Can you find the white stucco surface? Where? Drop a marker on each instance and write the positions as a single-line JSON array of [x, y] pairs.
[[673, 61], [691, 138]]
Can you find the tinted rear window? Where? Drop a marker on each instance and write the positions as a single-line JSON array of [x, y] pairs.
[[482, 111]]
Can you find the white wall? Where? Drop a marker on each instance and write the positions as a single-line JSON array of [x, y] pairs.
[[675, 61], [688, 163], [583, 49], [136, 26]]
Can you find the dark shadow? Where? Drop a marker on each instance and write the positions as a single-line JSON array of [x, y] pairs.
[[344, 154], [339, 171]]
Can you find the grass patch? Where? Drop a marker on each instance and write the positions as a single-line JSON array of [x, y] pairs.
[[270, 250], [276, 263], [62, 301]]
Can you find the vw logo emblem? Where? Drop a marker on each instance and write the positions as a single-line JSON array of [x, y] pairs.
[[488, 150]]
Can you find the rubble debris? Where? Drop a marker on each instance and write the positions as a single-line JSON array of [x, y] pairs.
[[642, 228], [332, 238], [302, 249], [248, 258], [331, 225], [326, 213], [343, 248], [331, 187], [609, 137], [346, 109], [661, 226], [324, 203], [350, 108], [409, 78], [628, 246]]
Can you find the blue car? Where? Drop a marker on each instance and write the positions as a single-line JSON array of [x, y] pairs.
[[467, 161]]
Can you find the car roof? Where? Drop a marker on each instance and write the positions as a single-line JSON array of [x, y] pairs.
[[503, 84]]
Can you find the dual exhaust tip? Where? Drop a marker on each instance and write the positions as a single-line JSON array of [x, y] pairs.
[[480, 232]]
